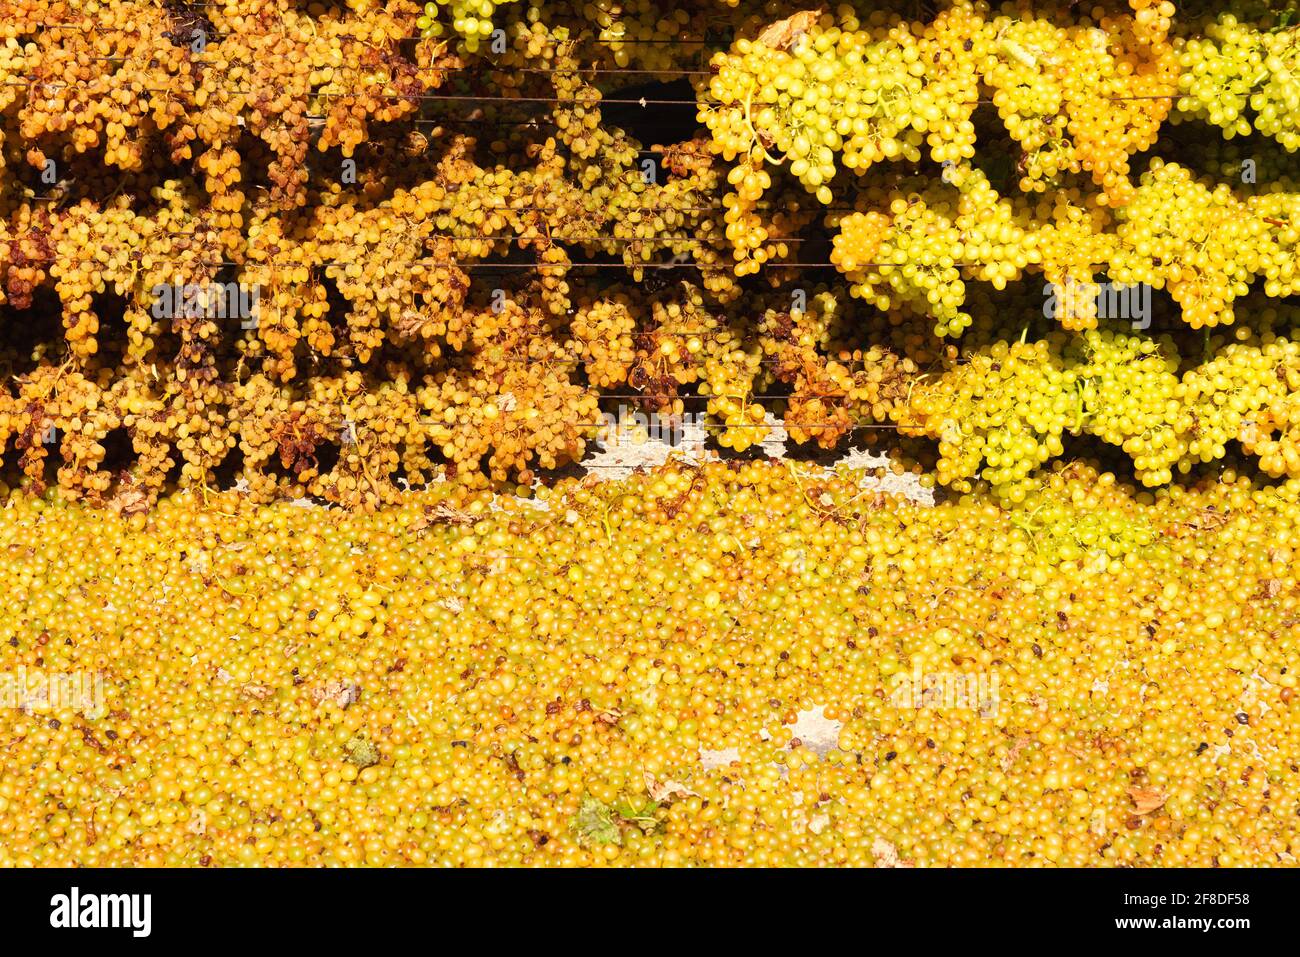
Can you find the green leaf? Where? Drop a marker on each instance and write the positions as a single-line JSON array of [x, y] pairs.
[[594, 823], [360, 751]]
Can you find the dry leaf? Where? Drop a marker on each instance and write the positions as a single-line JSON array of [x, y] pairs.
[[130, 500], [1017, 746], [342, 693], [818, 822], [1146, 800], [416, 144], [886, 854], [410, 323], [666, 790], [256, 690], [442, 515], [609, 716], [785, 32]]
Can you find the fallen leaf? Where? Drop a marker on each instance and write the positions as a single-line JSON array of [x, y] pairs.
[[783, 33], [662, 791], [130, 500], [442, 515], [594, 823], [361, 752], [1146, 800], [1017, 746], [342, 693], [886, 854]]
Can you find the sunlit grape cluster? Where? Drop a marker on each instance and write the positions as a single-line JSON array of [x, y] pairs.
[[1244, 79], [1078, 98], [1001, 412]]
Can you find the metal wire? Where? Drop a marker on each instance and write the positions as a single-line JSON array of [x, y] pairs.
[[595, 102]]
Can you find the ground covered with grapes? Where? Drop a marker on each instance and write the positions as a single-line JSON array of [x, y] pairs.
[[616, 673]]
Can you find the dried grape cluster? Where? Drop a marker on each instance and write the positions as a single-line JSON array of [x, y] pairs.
[[299, 161]]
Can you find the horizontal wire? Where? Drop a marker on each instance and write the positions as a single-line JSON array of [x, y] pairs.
[[464, 266], [709, 334], [543, 265], [625, 239], [666, 423], [581, 240], [755, 397], [360, 426], [503, 100], [576, 206], [217, 36], [345, 425], [484, 68], [463, 97]]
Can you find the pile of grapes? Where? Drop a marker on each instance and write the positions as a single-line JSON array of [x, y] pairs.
[[741, 663], [339, 249]]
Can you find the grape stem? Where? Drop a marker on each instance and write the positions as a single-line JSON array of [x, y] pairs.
[[749, 122]]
